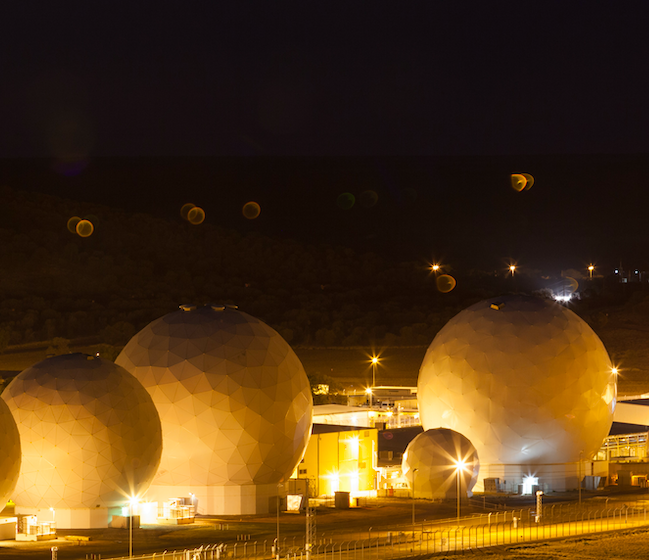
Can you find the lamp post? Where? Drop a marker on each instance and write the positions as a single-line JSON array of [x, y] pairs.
[[579, 477], [414, 478], [512, 269], [459, 467], [375, 361], [131, 502], [590, 271], [279, 484]]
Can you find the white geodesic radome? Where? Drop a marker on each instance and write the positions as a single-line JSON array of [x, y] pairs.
[[233, 397], [90, 434], [10, 455], [524, 378], [433, 460]]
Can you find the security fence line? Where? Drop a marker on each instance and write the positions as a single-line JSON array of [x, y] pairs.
[[507, 527]]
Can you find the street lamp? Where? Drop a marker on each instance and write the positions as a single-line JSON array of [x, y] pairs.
[[375, 360], [414, 478], [459, 467], [590, 271], [434, 267], [368, 391], [512, 269]]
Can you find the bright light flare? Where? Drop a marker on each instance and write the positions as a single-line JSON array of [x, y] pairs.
[[521, 181], [251, 210], [192, 213], [530, 181], [184, 210], [445, 283], [85, 228], [518, 182], [460, 465], [196, 216], [346, 200], [368, 198], [72, 224]]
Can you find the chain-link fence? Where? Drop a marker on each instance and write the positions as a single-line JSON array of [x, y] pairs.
[[470, 534]]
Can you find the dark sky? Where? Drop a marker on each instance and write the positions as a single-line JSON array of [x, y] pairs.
[[323, 78]]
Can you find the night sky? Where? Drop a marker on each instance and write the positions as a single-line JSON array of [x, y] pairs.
[[323, 78], [430, 105]]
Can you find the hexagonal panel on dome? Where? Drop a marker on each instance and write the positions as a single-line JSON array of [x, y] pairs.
[[90, 433], [439, 463], [10, 456], [525, 379], [233, 397]]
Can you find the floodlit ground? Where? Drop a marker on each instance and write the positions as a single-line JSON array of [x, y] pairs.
[[622, 545], [355, 523]]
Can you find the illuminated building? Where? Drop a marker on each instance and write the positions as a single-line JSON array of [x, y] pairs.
[[235, 405], [91, 439], [527, 382], [340, 459], [430, 464]]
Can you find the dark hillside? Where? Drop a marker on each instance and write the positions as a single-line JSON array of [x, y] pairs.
[[136, 267]]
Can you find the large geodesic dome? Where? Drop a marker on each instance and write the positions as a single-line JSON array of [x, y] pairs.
[[234, 400], [90, 434], [10, 456], [524, 378], [440, 463]]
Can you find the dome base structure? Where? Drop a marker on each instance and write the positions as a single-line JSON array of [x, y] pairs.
[[71, 518], [526, 479], [247, 499]]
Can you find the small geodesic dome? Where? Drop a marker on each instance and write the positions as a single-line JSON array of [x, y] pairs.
[[234, 401], [10, 455], [434, 459], [524, 378], [90, 433]]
